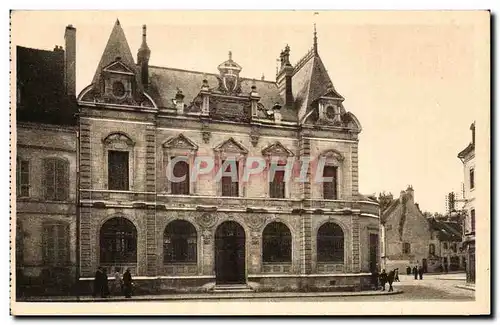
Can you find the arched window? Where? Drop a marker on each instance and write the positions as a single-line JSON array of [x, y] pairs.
[[179, 242], [330, 243], [118, 241], [276, 243], [432, 249], [56, 179]]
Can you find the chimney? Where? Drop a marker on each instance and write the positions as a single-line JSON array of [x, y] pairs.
[[143, 56], [473, 129], [409, 193], [284, 77], [70, 61], [179, 101]]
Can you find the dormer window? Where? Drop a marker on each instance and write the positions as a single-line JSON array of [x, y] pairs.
[[331, 111], [118, 89]]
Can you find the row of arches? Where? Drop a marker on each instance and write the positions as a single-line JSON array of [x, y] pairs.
[[118, 242]]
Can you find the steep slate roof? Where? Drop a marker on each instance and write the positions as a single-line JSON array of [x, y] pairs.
[[466, 151], [164, 83], [310, 81], [117, 46], [41, 91]]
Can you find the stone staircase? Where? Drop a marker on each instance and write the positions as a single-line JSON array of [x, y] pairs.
[[232, 288]]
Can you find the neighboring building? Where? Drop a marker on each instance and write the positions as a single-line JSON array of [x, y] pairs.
[[46, 168], [468, 159], [410, 238], [136, 118]]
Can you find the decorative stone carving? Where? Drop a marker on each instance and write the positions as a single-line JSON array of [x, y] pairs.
[[207, 220], [231, 145], [207, 237], [276, 149], [255, 238], [254, 136], [180, 142], [206, 134], [256, 222], [118, 137], [332, 153]]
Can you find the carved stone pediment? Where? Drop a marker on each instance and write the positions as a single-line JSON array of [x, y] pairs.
[[276, 149], [230, 109], [118, 67], [180, 142], [231, 146], [117, 138], [332, 154]]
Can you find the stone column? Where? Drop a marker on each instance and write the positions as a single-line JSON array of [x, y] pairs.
[[356, 267]]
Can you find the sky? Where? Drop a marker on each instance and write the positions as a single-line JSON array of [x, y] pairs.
[[413, 80]]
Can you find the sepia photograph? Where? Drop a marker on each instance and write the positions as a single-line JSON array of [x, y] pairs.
[[250, 162]]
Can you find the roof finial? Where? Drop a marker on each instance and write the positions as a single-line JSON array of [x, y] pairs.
[[315, 46], [230, 55], [117, 21]]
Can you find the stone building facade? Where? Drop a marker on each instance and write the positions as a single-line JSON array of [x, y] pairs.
[[467, 157], [136, 119], [410, 238], [45, 165]]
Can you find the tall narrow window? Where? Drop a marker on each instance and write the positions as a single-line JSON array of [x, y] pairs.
[[23, 178], [180, 169], [471, 178], [277, 184], [55, 243], [432, 249], [179, 242], [118, 170], [230, 186], [473, 220], [406, 248], [276, 243], [330, 243], [56, 179], [118, 241], [330, 188]]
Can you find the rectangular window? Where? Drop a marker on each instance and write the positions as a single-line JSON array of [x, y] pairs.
[[445, 245], [406, 248], [471, 178], [118, 170], [330, 188], [23, 178], [55, 243], [56, 179], [473, 220], [230, 188], [180, 170], [277, 185]]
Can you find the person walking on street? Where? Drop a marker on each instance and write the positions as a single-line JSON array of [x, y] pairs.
[[383, 279], [97, 282], [117, 282], [396, 275], [375, 276], [415, 272], [127, 284], [421, 272], [408, 270], [105, 286], [390, 279]]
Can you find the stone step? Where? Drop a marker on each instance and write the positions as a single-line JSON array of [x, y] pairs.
[[232, 288]]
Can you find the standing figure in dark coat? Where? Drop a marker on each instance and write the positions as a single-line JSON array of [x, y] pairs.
[[390, 279], [383, 279], [415, 272], [105, 286], [127, 284], [421, 272], [408, 270], [375, 276], [97, 282]]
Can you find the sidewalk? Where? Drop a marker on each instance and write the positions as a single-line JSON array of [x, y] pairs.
[[204, 296], [466, 287]]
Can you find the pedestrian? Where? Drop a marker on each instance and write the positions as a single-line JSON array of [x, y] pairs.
[[421, 272], [408, 270], [97, 282], [105, 286], [390, 279], [383, 279], [375, 276], [127, 284], [396, 275], [117, 282], [415, 272]]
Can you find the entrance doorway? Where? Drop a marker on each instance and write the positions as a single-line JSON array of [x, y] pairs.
[[373, 252], [230, 253]]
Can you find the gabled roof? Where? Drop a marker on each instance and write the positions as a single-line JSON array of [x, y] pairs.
[[41, 91], [117, 47], [447, 231], [311, 81], [466, 151]]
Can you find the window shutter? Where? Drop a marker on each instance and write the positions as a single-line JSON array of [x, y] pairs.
[[49, 179], [62, 180]]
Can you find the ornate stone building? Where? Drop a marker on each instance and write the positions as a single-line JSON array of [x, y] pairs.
[[136, 119]]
